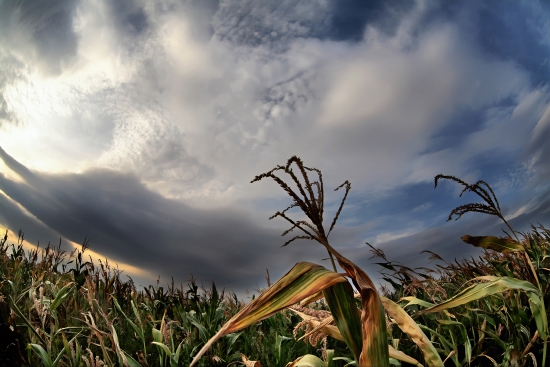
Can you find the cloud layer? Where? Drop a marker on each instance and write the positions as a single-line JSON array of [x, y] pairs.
[[141, 122]]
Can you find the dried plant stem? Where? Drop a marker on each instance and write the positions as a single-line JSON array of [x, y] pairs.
[[312, 205]]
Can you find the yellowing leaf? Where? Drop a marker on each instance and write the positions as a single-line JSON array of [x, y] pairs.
[[302, 281], [494, 243], [333, 331], [397, 354], [409, 327], [309, 360], [498, 285], [373, 323]]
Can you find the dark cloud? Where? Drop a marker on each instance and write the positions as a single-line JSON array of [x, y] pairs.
[[128, 223]]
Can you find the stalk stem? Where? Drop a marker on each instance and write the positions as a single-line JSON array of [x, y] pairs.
[[528, 261], [524, 252], [332, 261]]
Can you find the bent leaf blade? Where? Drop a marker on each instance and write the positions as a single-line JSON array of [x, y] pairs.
[[302, 281]]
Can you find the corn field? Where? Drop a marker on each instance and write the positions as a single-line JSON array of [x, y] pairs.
[[57, 309]]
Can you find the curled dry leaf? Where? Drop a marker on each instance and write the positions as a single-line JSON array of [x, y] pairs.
[[248, 363]]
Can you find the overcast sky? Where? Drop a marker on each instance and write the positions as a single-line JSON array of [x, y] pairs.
[[140, 124]]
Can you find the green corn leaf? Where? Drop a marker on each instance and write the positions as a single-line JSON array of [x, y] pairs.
[[496, 285], [416, 301], [131, 361], [481, 290], [27, 322], [537, 309], [132, 324], [302, 281], [499, 244], [136, 312], [203, 333], [342, 306], [411, 328], [61, 296], [467, 345], [176, 356], [157, 335], [42, 354], [118, 350], [164, 348], [446, 343], [330, 357], [58, 358]]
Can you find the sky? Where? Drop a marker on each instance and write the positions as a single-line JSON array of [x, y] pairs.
[[140, 124]]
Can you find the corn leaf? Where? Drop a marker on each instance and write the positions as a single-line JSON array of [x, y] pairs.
[[399, 355], [315, 297], [137, 330], [333, 332], [61, 296], [498, 285], [373, 322], [499, 244], [409, 327], [416, 301], [40, 352], [309, 360], [467, 345], [342, 306], [481, 290], [538, 311], [302, 281]]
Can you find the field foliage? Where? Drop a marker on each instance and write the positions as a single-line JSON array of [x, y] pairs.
[[62, 309]]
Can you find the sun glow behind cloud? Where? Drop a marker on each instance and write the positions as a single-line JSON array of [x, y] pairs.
[[128, 269]]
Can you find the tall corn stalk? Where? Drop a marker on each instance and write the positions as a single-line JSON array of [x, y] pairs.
[[493, 285], [364, 330]]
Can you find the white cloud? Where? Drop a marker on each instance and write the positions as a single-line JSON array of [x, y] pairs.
[[392, 236], [198, 115]]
